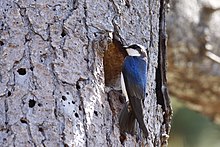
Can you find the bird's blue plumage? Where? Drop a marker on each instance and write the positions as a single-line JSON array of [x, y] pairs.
[[135, 76]]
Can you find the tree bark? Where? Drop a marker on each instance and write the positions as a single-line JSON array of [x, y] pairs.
[[60, 68]]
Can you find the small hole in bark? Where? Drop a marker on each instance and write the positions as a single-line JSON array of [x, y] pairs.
[[64, 32], [16, 62], [55, 112], [39, 104], [66, 145], [87, 60], [73, 102], [77, 86], [24, 120], [21, 71], [32, 103], [80, 108], [76, 115], [27, 37], [9, 93], [69, 103], [40, 129], [1, 43], [31, 68], [96, 113], [64, 98], [67, 93]]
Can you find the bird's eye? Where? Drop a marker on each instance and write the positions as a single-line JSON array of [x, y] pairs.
[[134, 46]]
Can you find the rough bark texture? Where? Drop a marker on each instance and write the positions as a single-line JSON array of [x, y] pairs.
[[55, 89], [194, 55]]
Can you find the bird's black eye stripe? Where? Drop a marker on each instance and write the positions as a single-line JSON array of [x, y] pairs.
[[134, 46]]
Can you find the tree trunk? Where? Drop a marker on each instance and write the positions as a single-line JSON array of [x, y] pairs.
[[60, 68]]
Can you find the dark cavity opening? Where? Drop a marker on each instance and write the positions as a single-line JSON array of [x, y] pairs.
[[113, 60], [21, 71], [32, 103]]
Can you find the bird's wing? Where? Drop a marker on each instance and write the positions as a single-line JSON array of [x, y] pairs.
[[134, 73]]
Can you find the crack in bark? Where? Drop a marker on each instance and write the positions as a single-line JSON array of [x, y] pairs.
[[40, 128], [30, 134], [56, 107], [115, 7], [73, 4], [63, 41], [90, 59], [14, 138], [108, 139], [33, 79], [150, 21], [7, 127], [27, 22], [28, 37], [6, 112], [52, 49], [161, 81], [83, 110], [26, 121], [116, 35], [55, 83]]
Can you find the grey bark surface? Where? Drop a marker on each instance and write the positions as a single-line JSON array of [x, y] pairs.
[[53, 85]]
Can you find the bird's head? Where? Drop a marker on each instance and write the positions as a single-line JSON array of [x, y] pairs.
[[136, 50]]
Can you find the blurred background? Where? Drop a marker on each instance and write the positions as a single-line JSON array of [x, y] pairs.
[[194, 72], [192, 129]]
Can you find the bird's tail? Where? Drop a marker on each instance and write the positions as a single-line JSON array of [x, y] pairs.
[[127, 120]]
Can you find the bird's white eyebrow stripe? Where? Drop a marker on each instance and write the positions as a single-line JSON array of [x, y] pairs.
[[132, 52]]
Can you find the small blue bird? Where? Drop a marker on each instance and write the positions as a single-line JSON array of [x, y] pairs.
[[133, 82]]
